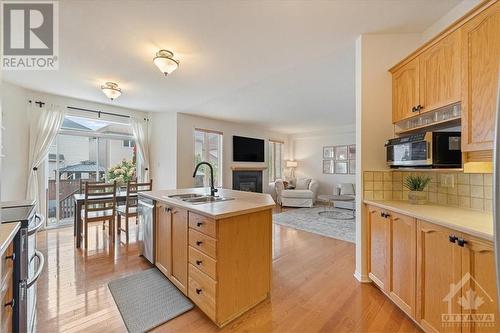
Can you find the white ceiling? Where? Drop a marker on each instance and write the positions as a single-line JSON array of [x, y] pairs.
[[285, 65]]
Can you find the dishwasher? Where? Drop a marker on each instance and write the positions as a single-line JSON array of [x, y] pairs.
[[145, 216]]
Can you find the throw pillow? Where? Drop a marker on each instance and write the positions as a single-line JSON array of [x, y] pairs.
[[303, 183]]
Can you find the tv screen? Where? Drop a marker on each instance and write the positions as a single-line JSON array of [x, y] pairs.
[[248, 149]]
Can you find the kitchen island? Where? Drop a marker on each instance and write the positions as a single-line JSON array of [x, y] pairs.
[[219, 254]]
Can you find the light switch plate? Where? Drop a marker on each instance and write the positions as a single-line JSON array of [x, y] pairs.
[[447, 180]]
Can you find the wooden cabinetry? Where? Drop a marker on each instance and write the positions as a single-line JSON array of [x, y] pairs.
[[163, 235], [405, 91], [480, 65], [392, 239], [7, 289], [438, 267]]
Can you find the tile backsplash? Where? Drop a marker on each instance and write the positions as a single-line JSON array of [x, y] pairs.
[[472, 191]]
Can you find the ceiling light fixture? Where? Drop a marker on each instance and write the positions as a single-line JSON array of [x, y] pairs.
[[165, 61], [111, 90]]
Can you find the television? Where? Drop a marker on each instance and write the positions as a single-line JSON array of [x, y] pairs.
[[248, 149]]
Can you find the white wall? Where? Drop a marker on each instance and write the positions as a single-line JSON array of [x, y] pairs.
[[185, 146], [16, 134], [457, 12], [308, 151], [163, 150], [375, 54]]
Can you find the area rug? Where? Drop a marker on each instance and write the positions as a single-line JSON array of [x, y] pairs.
[[147, 299], [308, 219]]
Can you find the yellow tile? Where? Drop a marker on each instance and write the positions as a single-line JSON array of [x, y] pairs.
[[369, 195], [368, 186], [405, 195], [488, 205], [432, 187], [397, 195], [463, 190], [488, 179], [453, 190], [378, 195], [396, 175], [442, 189], [387, 195], [388, 176], [477, 191], [477, 203], [387, 186], [432, 197], [378, 176], [476, 179], [452, 200], [488, 192], [433, 177], [368, 175], [442, 198], [397, 186], [463, 178], [464, 202], [378, 186]]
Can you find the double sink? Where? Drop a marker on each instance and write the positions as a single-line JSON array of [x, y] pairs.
[[196, 199]]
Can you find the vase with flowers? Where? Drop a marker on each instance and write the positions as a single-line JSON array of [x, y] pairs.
[[122, 173]]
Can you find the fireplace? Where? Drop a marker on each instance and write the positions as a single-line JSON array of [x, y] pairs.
[[247, 180]]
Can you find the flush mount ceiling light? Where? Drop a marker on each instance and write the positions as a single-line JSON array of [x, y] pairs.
[[111, 90], [165, 61]]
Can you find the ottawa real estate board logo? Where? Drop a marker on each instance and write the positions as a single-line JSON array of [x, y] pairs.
[[30, 35]]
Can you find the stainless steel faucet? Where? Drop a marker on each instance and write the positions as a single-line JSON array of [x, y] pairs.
[[213, 190]]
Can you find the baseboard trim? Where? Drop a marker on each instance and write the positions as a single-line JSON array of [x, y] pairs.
[[362, 278]]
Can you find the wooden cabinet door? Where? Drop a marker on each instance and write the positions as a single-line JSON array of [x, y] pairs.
[[402, 261], [440, 73], [438, 267], [479, 293], [163, 239], [405, 91], [179, 272], [378, 227], [480, 63]]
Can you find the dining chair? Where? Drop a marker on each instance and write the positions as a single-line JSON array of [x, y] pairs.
[[99, 206], [129, 209]]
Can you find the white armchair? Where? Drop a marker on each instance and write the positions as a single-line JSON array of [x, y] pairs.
[[304, 195]]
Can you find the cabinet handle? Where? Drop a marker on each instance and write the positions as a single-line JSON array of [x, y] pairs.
[[387, 215], [396, 219], [419, 107], [174, 211], [11, 257], [12, 303], [461, 242], [199, 243], [198, 291], [168, 209], [199, 224], [452, 238], [198, 262], [414, 109]]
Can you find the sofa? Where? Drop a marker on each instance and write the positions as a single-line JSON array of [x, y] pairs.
[[303, 195]]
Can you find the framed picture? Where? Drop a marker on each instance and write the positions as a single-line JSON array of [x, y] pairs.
[[328, 153], [328, 166], [352, 152], [341, 153], [341, 167], [352, 167]]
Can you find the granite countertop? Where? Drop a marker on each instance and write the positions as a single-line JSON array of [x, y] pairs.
[[244, 202], [475, 223], [7, 233]]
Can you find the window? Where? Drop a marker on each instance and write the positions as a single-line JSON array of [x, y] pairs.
[[275, 160], [208, 148], [128, 143]]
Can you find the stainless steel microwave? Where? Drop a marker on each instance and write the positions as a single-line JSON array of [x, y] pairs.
[[426, 150]]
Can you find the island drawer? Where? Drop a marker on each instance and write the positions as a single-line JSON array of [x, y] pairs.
[[203, 243], [203, 262], [202, 224], [202, 291]]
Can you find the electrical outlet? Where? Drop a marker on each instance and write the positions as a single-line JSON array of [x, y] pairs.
[[447, 180]]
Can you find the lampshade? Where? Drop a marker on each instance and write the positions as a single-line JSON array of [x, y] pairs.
[[165, 61], [111, 90], [291, 164]]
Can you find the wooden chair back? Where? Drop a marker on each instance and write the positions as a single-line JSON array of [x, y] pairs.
[[132, 189], [100, 201], [84, 182]]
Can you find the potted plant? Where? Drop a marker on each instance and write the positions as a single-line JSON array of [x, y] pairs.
[[122, 173], [416, 185]]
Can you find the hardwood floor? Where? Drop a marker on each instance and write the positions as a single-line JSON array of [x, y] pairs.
[[313, 289]]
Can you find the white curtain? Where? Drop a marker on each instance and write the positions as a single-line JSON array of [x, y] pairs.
[[140, 128], [44, 125]]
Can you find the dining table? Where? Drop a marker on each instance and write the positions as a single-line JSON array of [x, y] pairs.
[[79, 200]]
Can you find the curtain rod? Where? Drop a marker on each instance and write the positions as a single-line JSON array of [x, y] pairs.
[[98, 112]]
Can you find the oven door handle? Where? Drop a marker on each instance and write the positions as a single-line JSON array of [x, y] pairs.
[[41, 263], [41, 221]]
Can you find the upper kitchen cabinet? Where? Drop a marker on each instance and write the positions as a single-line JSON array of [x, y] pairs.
[[440, 74], [480, 64], [405, 91]]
